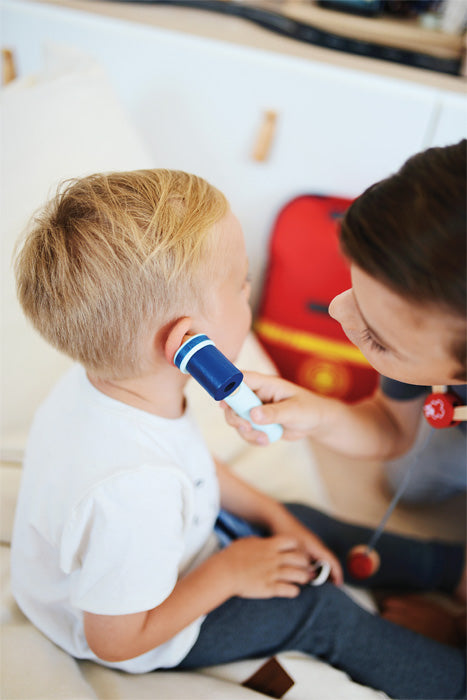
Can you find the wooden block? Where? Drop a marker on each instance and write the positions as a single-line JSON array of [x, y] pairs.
[[270, 679]]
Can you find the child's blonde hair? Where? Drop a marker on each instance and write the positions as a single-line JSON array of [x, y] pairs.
[[112, 256]]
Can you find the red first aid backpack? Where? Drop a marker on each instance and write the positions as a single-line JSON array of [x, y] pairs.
[[305, 272]]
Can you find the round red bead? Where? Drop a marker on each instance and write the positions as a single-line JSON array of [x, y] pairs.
[[360, 565], [438, 409]]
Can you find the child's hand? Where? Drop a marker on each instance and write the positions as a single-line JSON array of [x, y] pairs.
[[285, 523], [298, 410], [266, 567]]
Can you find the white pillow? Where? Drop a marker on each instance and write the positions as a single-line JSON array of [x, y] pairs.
[[64, 123]]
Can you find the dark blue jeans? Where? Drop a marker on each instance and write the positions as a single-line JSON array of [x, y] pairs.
[[325, 623]]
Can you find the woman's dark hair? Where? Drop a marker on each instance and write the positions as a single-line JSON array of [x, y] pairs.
[[409, 232]]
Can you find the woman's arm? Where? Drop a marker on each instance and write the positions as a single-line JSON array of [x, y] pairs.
[[375, 428]]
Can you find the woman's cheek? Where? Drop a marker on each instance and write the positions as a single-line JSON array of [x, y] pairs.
[[353, 335]]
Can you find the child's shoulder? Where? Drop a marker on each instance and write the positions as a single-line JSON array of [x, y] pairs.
[[72, 408]]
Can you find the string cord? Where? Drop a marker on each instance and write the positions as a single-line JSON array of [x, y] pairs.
[[400, 490]]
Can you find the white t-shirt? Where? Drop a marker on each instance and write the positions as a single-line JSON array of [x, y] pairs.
[[115, 504]]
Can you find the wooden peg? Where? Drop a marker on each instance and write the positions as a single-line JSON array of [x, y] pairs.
[[439, 389], [8, 66], [460, 413], [265, 136]]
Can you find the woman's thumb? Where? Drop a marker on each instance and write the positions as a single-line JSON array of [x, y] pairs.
[[262, 415]]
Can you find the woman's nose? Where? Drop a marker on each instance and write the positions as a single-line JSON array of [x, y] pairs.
[[340, 304]]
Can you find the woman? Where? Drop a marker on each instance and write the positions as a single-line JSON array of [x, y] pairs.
[[405, 240]]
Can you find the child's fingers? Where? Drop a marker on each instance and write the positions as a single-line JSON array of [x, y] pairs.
[[294, 562], [284, 590], [296, 559], [337, 575], [318, 551], [292, 574], [285, 543]]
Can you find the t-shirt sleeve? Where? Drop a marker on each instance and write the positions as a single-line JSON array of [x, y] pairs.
[[123, 543], [400, 391]]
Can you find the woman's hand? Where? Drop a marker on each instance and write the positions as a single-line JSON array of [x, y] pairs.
[[298, 410], [266, 567]]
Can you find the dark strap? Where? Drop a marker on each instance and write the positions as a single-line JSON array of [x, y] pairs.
[[302, 31], [228, 527]]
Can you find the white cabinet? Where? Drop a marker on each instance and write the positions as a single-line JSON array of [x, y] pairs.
[[451, 124]]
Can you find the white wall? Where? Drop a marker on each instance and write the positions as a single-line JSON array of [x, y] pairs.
[[199, 102]]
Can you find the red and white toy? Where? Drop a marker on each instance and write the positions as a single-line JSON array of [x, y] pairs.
[[442, 408]]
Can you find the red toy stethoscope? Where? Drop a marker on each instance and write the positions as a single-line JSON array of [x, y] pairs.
[[442, 409]]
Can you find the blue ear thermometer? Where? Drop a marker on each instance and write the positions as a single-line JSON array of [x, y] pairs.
[[199, 357]]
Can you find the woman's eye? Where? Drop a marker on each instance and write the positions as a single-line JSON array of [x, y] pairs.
[[374, 345]]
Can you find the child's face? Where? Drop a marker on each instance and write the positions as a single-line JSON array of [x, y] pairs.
[[401, 340], [227, 315]]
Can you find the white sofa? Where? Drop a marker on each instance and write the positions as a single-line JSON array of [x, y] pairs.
[[64, 122]]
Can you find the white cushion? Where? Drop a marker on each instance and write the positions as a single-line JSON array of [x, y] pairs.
[[10, 475], [66, 122]]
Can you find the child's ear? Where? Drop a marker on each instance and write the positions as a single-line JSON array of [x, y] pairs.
[[175, 337]]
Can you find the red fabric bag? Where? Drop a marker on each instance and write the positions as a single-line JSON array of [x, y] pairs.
[[305, 272]]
